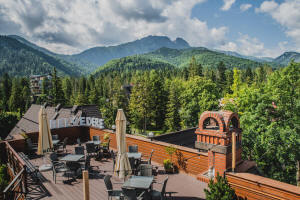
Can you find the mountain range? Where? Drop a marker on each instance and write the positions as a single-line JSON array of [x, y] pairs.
[[21, 57]]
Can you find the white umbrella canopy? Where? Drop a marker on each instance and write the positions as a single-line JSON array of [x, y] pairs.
[[123, 167], [45, 139]]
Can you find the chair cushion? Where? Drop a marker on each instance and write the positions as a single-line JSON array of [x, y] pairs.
[[155, 194]]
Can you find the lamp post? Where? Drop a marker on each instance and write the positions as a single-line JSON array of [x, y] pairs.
[[113, 127], [151, 135]]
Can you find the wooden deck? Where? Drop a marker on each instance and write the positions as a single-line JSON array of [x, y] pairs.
[[185, 186]]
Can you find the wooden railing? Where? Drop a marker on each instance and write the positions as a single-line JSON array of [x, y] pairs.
[[17, 188]]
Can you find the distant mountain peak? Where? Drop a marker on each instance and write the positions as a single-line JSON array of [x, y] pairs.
[[101, 55]]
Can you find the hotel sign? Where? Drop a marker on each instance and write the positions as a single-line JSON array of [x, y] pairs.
[[77, 121]]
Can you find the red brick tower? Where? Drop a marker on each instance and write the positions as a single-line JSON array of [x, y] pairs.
[[214, 135]]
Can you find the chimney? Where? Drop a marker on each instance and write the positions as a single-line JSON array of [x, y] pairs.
[[233, 150]]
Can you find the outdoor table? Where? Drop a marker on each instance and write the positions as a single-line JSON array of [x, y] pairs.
[[45, 167], [72, 158], [55, 142], [136, 156], [139, 182]]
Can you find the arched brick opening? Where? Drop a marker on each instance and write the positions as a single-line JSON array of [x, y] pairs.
[[214, 115]]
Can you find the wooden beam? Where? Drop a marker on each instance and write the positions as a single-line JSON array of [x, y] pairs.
[[86, 190], [233, 150]]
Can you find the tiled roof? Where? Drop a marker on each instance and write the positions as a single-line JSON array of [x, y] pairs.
[[30, 123]]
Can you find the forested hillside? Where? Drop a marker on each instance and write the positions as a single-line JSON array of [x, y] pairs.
[[18, 59], [133, 63], [205, 57]]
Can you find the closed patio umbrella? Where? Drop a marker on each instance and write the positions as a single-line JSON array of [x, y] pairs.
[[122, 168], [45, 139]]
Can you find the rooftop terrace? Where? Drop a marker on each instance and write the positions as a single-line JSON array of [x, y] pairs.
[[185, 187]]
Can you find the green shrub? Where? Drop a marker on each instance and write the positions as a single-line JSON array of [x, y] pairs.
[[220, 190], [168, 164], [4, 178]]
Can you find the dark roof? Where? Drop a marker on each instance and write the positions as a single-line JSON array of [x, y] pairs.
[[29, 123], [185, 138]]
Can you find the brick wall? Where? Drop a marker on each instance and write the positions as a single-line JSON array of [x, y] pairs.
[[257, 187], [188, 160]]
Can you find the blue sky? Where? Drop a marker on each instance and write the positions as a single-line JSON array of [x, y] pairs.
[[248, 22], [250, 27]]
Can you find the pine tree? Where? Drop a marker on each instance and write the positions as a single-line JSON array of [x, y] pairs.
[[220, 190], [139, 106], [221, 73], [67, 88], [158, 100], [56, 91], [173, 106], [194, 68], [15, 98], [26, 98], [5, 91]]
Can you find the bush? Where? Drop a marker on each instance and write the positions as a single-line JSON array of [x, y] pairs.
[[220, 190], [4, 178], [168, 164]]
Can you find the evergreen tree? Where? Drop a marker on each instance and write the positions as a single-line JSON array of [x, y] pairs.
[[139, 106], [56, 90], [67, 88], [5, 90], [26, 99], [15, 98], [220, 190], [221, 74], [194, 68], [158, 100], [173, 107]]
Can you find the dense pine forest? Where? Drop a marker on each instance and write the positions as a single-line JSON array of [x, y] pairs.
[[165, 99]]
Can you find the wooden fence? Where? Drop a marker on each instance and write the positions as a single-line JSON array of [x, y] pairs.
[[17, 188]]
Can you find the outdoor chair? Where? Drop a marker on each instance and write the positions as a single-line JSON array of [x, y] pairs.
[[133, 149], [78, 141], [105, 150], [62, 146], [79, 150], [145, 170], [96, 138], [90, 149], [57, 166], [160, 195], [32, 148], [109, 188], [74, 170], [130, 194], [148, 161], [113, 156], [133, 165], [55, 137]]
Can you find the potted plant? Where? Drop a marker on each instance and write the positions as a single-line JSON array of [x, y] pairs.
[[106, 140], [168, 163]]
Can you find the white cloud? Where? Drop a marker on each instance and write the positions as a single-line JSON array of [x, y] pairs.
[[286, 14], [245, 7], [251, 46], [71, 26], [227, 4]]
